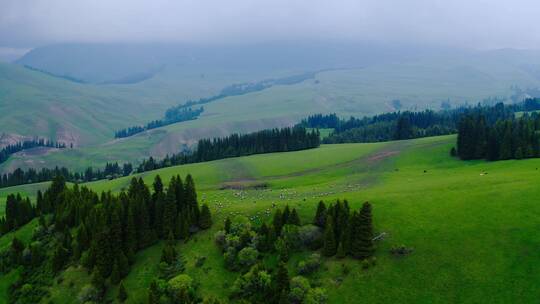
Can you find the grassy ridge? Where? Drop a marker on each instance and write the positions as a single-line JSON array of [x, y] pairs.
[[473, 234]]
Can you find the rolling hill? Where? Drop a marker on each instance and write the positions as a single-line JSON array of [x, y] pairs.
[[89, 113], [471, 224]]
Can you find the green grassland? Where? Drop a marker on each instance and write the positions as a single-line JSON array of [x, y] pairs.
[[90, 113], [473, 225]]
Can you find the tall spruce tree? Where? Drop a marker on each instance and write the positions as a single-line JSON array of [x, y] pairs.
[[294, 219], [329, 238], [205, 219], [227, 225], [282, 284], [170, 212], [362, 245], [277, 222], [191, 199], [122, 293], [320, 215]]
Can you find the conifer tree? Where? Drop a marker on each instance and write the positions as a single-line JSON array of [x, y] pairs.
[[329, 241], [130, 234], [170, 213], [264, 238], [366, 230], [294, 219], [83, 239], [285, 215], [205, 219], [122, 293], [116, 275], [168, 253], [320, 215], [191, 198], [16, 250], [341, 251], [282, 284], [104, 259], [59, 257], [115, 232], [362, 240], [227, 225], [123, 264], [277, 222], [282, 249], [98, 281], [39, 203], [184, 228], [153, 293]]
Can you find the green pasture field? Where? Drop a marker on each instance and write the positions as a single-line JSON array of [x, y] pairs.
[[473, 226]]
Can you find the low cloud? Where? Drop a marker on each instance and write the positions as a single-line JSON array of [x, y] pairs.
[[463, 23]]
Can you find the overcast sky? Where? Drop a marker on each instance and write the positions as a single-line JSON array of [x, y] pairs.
[[480, 24]]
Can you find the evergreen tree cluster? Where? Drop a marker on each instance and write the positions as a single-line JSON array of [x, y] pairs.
[[409, 124], [172, 115], [511, 138], [8, 150], [320, 121], [29, 176], [265, 141], [109, 229], [19, 211], [345, 232]]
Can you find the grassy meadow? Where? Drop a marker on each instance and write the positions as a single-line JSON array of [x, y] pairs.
[[472, 225]]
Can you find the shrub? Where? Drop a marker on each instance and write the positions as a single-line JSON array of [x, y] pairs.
[[299, 288], [310, 236], [89, 294], [180, 288], [219, 239], [401, 250], [310, 265], [247, 257], [365, 264], [316, 296], [230, 258]]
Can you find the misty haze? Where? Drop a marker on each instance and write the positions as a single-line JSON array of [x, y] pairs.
[[269, 151]]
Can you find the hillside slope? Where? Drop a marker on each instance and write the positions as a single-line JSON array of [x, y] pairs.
[[453, 214], [417, 84], [365, 91]]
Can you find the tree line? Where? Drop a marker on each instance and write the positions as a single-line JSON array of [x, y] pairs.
[[29, 176], [100, 232], [409, 124], [510, 138], [265, 141], [235, 145], [9, 150], [172, 115]]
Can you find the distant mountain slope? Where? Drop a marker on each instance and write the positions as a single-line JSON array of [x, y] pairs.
[[132, 63], [36, 104]]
